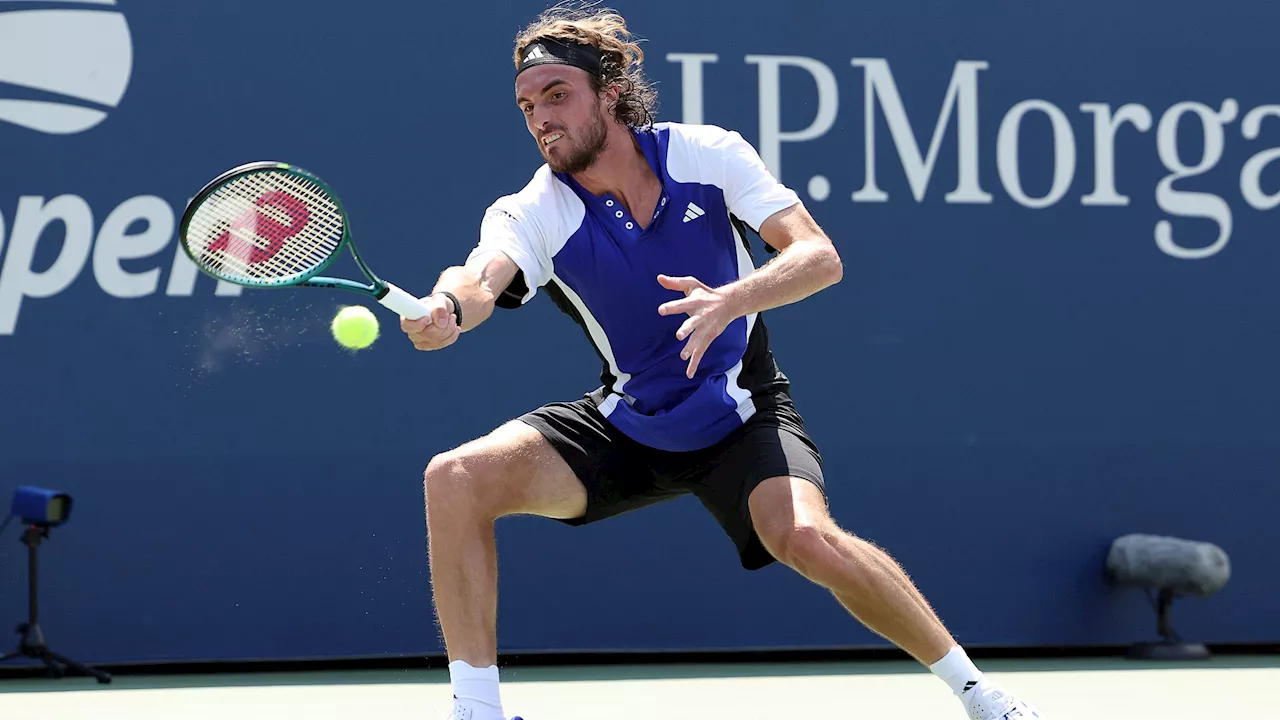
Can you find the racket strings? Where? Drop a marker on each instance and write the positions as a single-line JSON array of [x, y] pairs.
[[265, 227]]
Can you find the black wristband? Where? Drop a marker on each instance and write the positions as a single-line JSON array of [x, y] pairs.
[[457, 306]]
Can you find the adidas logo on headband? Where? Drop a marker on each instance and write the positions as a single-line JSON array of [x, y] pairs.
[[547, 51]]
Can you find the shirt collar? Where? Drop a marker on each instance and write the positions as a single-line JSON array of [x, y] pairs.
[[606, 206]]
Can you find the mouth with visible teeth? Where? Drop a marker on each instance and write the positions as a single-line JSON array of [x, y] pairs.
[[551, 138]]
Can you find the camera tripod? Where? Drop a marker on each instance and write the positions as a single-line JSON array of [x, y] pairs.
[[32, 643]]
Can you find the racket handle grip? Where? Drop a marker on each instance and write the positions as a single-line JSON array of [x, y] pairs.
[[403, 304]]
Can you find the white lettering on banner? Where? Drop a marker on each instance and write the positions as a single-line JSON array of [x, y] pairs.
[[964, 90], [961, 101], [1105, 127], [36, 219], [1251, 173], [114, 245], [771, 134], [182, 281], [1182, 203], [691, 84], [17, 278], [1064, 153]]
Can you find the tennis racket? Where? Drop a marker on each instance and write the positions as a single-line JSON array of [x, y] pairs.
[[270, 224]]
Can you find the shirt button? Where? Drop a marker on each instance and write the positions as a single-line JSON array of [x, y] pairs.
[[618, 214], [630, 225], [609, 203]]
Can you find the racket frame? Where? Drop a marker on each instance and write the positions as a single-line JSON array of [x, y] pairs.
[[385, 293]]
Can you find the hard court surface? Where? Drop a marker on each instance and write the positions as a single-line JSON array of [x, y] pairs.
[[1236, 687]]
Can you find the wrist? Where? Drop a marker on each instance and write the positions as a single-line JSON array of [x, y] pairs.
[[737, 299], [455, 306]]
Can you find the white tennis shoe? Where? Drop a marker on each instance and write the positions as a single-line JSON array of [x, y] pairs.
[[988, 701], [465, 713]]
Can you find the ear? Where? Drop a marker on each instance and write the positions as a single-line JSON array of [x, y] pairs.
[[609, 96]]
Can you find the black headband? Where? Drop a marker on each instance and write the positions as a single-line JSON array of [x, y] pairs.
[[545, 51]]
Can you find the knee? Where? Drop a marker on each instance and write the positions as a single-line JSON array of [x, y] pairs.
[[460, 483], [443, 478], [804, 547]]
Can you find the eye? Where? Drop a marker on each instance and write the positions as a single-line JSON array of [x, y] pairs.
[[558, 95]]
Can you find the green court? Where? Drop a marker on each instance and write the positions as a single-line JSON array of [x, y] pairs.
[[1236, 687]]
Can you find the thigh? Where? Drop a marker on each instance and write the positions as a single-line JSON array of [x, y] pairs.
[[616, 471], [513, 470], [773, 444], [783, 504]]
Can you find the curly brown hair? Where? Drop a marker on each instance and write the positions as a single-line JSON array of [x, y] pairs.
[[605, 30]]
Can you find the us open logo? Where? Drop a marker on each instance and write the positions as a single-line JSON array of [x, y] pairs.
[[62, 69]]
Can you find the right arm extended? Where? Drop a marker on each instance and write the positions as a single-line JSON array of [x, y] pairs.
[[477, 285]]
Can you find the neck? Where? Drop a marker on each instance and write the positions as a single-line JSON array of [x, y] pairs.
[[620, 167]]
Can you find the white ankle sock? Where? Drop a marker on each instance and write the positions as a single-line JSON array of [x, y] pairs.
[[957, 671], [475, 690]]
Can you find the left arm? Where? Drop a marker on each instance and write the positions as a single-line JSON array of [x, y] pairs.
[[806, 263]]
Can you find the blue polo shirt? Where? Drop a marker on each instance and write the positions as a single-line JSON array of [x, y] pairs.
[[600, 267]]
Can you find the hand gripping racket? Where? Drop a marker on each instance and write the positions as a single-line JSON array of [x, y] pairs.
[[269, 224]]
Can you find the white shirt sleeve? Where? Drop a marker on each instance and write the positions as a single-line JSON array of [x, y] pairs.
[[512, 230], [751, 192]]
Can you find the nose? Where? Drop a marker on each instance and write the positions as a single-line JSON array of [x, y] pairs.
[[540, 118]]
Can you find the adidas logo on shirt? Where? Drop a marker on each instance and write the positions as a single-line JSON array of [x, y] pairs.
[[693, 212]]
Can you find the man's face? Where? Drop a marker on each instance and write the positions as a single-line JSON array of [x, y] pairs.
[[565, 117]]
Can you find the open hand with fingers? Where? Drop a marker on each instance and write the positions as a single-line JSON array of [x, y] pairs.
[[709, 311], [435, 331]]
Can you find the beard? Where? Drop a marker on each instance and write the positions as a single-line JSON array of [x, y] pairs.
[[584, 154]]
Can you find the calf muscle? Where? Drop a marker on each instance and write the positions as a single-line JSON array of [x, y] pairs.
[[513, 470]]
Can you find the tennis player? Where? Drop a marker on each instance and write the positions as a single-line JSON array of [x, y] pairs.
[[637, 230]]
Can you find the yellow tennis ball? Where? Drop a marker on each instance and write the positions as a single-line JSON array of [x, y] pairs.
[[355, 327]]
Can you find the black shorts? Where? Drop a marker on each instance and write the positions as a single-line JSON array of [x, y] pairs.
[[622, 475]]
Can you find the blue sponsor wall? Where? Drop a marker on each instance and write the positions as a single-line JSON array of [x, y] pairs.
[[1049, 334]]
